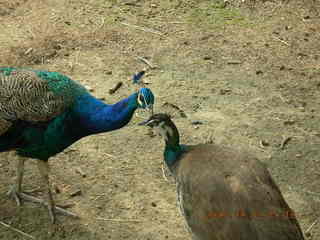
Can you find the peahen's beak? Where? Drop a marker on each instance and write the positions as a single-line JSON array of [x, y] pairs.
[[143, 123], [146, 122]]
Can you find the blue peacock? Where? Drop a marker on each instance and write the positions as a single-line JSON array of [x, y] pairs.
[[42, 113]]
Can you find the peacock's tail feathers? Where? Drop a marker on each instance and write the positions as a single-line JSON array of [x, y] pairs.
[[34, 95]]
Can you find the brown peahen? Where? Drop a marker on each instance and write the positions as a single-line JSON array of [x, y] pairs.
[[223, 193]]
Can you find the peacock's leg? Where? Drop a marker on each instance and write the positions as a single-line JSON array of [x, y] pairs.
[[44, 171], [16, 189]]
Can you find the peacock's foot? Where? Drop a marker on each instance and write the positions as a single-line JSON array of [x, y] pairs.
[[52, 209], [15, 194]]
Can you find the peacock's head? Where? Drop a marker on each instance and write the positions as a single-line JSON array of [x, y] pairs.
[[145, 99]]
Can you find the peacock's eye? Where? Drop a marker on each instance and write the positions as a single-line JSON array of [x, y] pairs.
[[141, 98]]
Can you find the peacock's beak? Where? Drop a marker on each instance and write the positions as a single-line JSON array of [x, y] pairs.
[[150, 109]]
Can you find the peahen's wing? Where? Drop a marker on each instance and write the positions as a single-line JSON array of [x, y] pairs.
[[33, 96]]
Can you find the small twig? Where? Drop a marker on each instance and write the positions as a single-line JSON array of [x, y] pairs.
[[234, 62], [142, 28], [284, 142], [17, 230], [109, 155], [29, 50], [66, 205], [311, 226], [102, 24], [115, 88], [38, 189], [284, 42], [283, 99], [118, 220], [99, 196], [146, 62], [82, 173]]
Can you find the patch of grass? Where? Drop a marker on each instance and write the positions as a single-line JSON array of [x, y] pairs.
[[216, 14]]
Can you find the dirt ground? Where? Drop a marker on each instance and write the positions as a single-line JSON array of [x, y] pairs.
[[248, 70]]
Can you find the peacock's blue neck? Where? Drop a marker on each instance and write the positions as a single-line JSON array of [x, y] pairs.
[[95, 116]]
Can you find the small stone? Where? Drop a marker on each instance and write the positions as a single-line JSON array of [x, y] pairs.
[[153, 204], [289, 122], [196, 122], [57, 189], [264, 143], [308, 234], [317, 134], [225, 91]]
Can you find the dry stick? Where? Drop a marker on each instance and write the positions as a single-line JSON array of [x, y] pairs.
[[82, 173], [115, 88], [17, 230], [36, 200], [109, 155], [146, 62], [142, 28], [284, 42], [118, 220], [284, 142], [311, 226]]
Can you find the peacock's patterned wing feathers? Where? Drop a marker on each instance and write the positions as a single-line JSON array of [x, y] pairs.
[[34, 95]]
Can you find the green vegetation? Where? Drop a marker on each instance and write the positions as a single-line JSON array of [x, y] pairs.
[[216, 14]]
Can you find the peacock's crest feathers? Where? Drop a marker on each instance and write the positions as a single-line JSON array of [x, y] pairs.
[[34, 95], [145, 97]]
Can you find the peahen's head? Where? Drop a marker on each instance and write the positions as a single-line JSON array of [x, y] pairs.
[[145, 99], [163, 124]]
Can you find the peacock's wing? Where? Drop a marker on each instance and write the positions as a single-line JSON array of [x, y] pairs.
[[34, 96]]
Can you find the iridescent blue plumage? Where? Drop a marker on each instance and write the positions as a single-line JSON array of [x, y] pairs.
[[42, 113]]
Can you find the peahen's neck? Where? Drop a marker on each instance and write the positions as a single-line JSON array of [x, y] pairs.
[[173, 149], [96, 116]]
